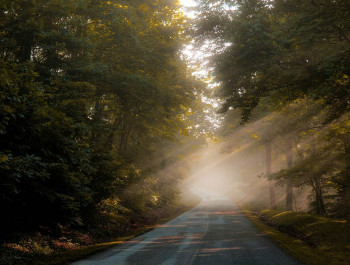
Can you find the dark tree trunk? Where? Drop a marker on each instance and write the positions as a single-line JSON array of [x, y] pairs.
[[289, 157], [319, 203], [121, 140], [97, 117], [268, 174], [345, 189], [26, 43], [126, 141], [110, 138]]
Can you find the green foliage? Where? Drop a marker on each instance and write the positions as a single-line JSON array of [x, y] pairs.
[[88, 89], [284, 65], [282, 50]]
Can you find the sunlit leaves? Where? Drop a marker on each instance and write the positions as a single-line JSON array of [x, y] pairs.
[[88, 89]]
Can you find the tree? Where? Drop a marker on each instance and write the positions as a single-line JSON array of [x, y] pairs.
[[88, 90], [277, 53]]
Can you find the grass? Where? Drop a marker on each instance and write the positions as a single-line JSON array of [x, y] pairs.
[[310, 239]]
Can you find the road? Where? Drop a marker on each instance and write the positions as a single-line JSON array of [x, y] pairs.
[[213, 233]]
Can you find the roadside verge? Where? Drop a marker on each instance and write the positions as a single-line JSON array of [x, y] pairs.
[[69, 256], [17, 253], [310, 239]]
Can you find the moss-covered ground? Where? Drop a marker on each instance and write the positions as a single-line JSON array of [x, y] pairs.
[[310, 239]]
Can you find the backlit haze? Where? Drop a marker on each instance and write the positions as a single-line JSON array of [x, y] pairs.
[[210, 172], [230, 167]]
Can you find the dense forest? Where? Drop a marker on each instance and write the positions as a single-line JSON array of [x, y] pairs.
[[282, 69], [95, 99], [102, 114]]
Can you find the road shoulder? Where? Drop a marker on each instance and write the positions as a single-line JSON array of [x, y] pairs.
[[295, 247]]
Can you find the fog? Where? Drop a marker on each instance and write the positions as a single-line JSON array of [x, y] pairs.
[[235, 168]]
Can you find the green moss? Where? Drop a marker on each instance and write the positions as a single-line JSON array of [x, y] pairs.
[[309, 238]]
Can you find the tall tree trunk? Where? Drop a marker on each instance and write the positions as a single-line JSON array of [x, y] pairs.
[[346, 141], [110, 138], [319, 207], [345, 193], [268, 174], [126, 141], [126, 129], [121, 140], [289, 158], [97, 116]]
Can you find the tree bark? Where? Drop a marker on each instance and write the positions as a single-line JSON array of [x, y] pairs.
[[319, 207], [345, 193], [268, 174], [289, 158], [346, 141], [110, 138]]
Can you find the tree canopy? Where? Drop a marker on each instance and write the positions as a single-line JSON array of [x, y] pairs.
[[90, 92], [285, 65]]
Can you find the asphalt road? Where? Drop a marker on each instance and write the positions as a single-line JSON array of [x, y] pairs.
[[213, 233]]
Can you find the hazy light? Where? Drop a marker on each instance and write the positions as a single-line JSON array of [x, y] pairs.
[[186, 6], [188, 3]]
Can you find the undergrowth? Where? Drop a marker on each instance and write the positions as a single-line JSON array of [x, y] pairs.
[[65, 245]]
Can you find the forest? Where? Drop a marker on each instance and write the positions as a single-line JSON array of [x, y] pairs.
[[284, 65], [102, 115], [95, 100]]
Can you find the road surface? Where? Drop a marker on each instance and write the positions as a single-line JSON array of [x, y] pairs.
[[213, 233]]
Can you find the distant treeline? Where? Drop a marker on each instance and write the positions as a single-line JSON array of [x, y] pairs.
[[285, 65], [91, 95]]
